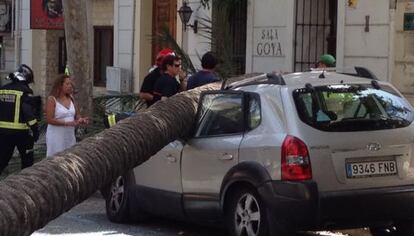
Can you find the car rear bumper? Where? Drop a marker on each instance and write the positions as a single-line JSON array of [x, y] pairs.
[[301, 204]]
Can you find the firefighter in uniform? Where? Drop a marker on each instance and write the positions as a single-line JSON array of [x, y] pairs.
[[18, 124]]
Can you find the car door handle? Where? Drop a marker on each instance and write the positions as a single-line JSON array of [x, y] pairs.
[[171, 159], [226, 157]]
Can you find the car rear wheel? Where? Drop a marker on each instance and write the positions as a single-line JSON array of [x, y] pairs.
[[246, 215]]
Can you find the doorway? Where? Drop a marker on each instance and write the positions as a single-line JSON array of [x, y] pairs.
[[315, 31], [164, 16], [103, 53], [229, 34]]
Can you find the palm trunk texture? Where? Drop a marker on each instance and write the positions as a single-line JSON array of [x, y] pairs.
[[39, 194]]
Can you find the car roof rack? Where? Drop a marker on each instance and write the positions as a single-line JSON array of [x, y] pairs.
[[269, 78], [363, 73]]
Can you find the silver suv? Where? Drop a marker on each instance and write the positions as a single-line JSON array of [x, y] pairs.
[[272, 154]]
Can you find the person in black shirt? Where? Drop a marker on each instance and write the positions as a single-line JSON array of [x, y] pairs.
[[147, 88], [206, 75], [167, 85]]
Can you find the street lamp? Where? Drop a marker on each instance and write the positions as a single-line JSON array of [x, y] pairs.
[[185, 14]]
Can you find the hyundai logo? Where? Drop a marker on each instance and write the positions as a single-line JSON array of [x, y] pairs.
[[373, 147]]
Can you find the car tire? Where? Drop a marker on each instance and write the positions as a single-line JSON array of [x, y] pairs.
[[246, 214], [404, 228], [117, 199]]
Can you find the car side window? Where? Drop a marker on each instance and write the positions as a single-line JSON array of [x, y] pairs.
[[255, 112], [220, 114]]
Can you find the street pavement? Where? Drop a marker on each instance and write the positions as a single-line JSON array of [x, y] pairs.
[[89, 219]]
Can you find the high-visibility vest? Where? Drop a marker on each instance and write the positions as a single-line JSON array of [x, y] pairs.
[[111, 119], [10, 115]]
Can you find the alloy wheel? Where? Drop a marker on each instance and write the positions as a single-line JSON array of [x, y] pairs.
[[247, 216], [117, 194]]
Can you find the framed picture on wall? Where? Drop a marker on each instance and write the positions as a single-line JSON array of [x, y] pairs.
[[46, 14]]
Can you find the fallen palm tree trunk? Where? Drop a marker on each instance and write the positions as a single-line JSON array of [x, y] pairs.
[[36, 195]]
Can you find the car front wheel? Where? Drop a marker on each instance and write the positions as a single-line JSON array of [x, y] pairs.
[[245, 214]]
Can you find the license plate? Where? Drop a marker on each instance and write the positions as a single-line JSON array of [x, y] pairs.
[[371, 169]]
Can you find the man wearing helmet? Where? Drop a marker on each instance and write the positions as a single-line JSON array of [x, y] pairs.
[[147, 87], [17, 117]]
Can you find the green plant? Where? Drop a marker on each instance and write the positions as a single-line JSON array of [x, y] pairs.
[[217, 32]]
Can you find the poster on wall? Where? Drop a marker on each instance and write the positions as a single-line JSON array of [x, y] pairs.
[[46, 14]]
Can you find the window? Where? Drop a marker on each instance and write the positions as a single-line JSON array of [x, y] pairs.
[[103, 53], [255, 111], [356, 107], [220, 114]]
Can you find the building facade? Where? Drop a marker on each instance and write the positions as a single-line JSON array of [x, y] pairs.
[[266, 36], [290, 35]]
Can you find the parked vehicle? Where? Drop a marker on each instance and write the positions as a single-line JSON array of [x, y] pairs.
[[272, 154]]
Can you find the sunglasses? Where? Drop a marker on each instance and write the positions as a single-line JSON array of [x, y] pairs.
[[177, 65]]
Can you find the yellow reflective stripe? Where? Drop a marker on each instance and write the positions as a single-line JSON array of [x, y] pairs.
[[14, 92], [32, 122], [17, 109], [11, 125], [16, 124], [111, 120]]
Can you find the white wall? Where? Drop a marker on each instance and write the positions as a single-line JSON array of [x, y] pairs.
[[355, 47], [403, 72], [269, 45], [195, 44], [124, 34]]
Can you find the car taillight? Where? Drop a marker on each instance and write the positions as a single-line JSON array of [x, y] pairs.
[[295, 160]]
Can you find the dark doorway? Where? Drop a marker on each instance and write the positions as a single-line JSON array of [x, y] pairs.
[[315, 31], [103, 53], [229, 34]]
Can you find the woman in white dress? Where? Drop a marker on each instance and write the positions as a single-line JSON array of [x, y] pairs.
[[62, 117]]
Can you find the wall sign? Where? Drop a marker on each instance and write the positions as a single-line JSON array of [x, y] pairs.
[[408, 21], [267, 42], [46, 14]]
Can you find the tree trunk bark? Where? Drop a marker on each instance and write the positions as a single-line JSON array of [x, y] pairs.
[[36, 195], [78, 45]]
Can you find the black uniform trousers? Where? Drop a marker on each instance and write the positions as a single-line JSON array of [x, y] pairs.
[[24, 143]]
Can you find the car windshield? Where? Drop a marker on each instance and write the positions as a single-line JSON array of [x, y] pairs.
[[356, 107]]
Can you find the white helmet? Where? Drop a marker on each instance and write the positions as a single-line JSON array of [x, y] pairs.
[[23, 74]]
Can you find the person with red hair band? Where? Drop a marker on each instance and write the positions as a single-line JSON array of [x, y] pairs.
[[147, 88]]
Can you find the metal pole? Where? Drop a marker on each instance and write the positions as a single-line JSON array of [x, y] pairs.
[[17, 35]]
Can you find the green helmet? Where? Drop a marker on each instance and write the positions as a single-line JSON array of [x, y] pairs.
[[328, 60]]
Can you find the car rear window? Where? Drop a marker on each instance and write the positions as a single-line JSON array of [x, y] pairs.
[[352, 107]]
